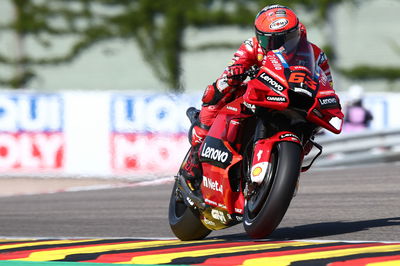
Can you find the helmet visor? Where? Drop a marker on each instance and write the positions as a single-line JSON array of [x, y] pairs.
[[271, 41]]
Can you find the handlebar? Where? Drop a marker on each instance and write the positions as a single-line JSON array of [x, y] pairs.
[[251, 72]]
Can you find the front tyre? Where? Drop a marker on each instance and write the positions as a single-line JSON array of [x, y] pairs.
[[183, 222], [267, 206]]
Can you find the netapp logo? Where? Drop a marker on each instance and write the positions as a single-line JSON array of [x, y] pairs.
[[270, 82], [214, 185]]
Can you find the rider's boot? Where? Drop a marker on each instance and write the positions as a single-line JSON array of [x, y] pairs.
[[191, 168]]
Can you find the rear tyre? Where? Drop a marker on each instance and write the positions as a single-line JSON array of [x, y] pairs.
[[183, 222], [265, 209]]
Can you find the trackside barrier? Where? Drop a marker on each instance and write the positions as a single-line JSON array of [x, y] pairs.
[[358, 148], [142, 134]]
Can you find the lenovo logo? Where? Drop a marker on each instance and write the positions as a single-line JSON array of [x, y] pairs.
[[214, 154], [272, 83]]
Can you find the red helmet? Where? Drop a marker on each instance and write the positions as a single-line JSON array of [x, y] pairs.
[[277, 26]]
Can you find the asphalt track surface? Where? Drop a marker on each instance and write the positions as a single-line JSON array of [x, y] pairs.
[[360, 203]]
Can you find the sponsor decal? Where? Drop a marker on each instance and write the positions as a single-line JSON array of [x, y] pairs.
[[323, 79], [149, 113], [144, 153], [322, 58], [221, 206], [328, 102], [213, 185], [238, 210], [257, 171], [218, 215], [302, 91], [231, 108], [289, 135], [208, 201], [215, 152], [190, 201], [259, 154], [276, 98], [206, 221], [249, 44], [278, 24], [31, 132], [329, 92], [301, 78], [239, 53], [275, 62], [271, 82], [148, 132], [252, 107], [239, 218]]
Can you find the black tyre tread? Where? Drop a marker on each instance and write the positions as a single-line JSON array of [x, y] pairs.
[[281, 194], [187, 226]]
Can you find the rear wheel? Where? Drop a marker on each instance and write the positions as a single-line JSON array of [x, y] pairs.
[[183, 222], [265, 209]]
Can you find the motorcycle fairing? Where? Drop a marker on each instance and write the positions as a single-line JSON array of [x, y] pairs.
[[326, 110], [216, 186], [301, 81], [267, 90], [262, 154], [215, 152]]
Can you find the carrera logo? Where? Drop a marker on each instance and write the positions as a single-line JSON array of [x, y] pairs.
[[213, 185], [278, 24], [215, 152], [276, 98], [270, 82]]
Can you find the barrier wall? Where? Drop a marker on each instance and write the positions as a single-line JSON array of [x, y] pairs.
[[103, 134]]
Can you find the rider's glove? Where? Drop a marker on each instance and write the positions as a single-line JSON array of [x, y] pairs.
[[235, 74]]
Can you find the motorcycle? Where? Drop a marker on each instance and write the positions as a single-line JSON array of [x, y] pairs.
[[253, 154]]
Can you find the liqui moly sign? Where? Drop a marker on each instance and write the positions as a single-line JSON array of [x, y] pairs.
[[31, 132]]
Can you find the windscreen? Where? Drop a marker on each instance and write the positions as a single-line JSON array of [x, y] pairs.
[[304, 57]]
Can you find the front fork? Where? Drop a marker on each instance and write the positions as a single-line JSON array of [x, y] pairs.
[[260, 164]]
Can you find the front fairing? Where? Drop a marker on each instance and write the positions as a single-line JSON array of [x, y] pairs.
[[326, 110], [302, 87], [267, 90]]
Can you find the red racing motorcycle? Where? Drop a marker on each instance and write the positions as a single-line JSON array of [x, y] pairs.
[[252, 156]]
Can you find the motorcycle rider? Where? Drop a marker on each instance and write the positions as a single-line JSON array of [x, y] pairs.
[[277, 28]]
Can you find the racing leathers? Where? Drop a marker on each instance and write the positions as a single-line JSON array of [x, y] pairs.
[[227, 88]]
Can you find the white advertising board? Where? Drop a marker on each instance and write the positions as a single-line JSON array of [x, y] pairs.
[[108, 134]]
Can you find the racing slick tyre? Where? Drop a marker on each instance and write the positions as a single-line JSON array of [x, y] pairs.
[[183, 222], [266, 207]]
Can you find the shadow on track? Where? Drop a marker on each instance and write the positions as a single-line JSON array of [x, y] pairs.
[[319, 230]]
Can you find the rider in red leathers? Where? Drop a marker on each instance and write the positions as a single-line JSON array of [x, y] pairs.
[[277, 27]]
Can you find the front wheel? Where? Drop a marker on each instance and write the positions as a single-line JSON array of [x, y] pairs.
[[265, 209], [183, 222]]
